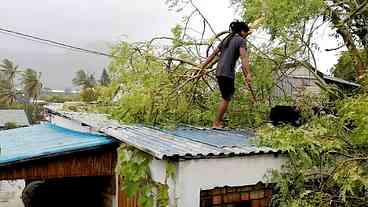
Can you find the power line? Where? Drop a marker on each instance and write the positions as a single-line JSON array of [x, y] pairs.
[[51, 42], [45, 43]]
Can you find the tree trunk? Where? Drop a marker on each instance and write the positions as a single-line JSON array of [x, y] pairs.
[[350, 44]]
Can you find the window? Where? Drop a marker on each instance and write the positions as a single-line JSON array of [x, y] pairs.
[[246, 196]]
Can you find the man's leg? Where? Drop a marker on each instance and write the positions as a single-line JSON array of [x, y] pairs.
[[218, 123]]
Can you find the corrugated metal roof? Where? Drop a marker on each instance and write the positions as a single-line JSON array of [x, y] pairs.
[[217, 138], [341, 81], [327, 78], [188, 142], [165, 145], [15, 116], [44, 140]]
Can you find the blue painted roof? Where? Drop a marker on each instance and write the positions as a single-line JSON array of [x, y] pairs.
[[44, 140]]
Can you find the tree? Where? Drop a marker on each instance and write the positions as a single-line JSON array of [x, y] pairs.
[[84, 80], [105, 78], [327, 162], [286, 18], [9, 70], [80, 78], [328, 155], [344, 68], [31, 81], [161, 81], [8, 93], [89, 95], [327, 158]]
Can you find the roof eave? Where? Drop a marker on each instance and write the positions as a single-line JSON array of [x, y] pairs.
[[58, 154]]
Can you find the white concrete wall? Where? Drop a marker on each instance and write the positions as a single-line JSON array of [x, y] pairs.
[[158, 174], [192, 176], [197, 175]]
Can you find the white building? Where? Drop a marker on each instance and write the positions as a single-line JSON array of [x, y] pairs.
[[213, 168], [295, 81], [14, 116]]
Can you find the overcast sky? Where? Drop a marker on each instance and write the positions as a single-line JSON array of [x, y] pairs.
[[94, 24]]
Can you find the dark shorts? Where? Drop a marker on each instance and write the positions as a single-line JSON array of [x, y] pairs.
[[227, 87]]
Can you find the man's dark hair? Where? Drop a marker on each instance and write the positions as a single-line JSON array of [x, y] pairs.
[[235, 28]]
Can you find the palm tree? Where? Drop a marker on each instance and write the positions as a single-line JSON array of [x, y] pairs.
[[8, 93], [31, 82], [84, 80], [9, 70]]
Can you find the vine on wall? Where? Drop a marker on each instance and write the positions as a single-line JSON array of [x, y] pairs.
[[134, 171]]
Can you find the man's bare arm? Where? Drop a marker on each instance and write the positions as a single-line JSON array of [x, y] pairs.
[[245, 65], [247, 72], [210, 58]]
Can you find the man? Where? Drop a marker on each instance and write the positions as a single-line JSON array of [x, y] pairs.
[[230, 49]]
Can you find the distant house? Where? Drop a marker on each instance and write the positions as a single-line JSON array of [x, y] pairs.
[[17, 117], [295, 81], [56, 92], [78, 151]]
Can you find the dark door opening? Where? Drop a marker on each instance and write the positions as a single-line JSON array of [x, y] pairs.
[[71, 192]]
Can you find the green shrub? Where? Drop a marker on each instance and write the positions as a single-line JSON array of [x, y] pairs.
[[10, 125]]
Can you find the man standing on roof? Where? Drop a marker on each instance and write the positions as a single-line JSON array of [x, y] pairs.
[[233, 46]]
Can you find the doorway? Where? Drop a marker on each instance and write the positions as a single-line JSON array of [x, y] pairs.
[[71, 192]]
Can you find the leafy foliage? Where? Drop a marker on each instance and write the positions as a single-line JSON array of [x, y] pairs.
[[32, 85], [105, 78], [34, 113], [163, 195], [152, 93], [281, 14], [30, 82], [285, 20], [133, 168], [159, 85], [345, 68], [9, 70], [149, 94], [89, 95], [10, 125], [134, 171], [8, 92], [84, 80], [328, 158]]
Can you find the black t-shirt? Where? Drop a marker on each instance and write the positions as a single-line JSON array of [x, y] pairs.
[[229, 56]]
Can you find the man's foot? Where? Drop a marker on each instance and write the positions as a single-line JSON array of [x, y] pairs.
[[217, 125]]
